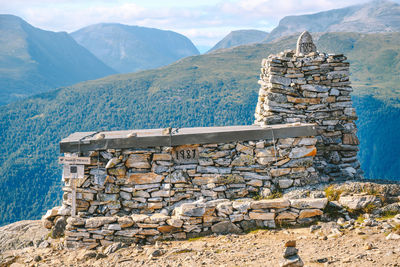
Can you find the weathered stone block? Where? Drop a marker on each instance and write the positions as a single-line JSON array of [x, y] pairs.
[[241, 206], [175, 222], [287, 215], [139, 218], [244, 149], [224, 209], [128, 232], [279, 172], [96, 222], [155, 206], [278, 203], [167, 229], [189, 209], [285, 183], [144, 178], [140, 161], [255, 182], [76, 221], [262, 216], [307, 213], [162, 157], [301, 152], [163, 193], [243, 160], [107, 197], [225, 228], [157, 218], [112, 162], [309, 203], [178, 176], [279, 80], [357, 202], [125, 222]]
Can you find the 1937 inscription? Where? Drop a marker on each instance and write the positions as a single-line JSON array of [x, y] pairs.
[[185, 154]]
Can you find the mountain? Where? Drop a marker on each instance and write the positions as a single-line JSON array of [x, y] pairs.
[[133, 48], [218, 88], [33, 60], [374, 16], [240, 37]]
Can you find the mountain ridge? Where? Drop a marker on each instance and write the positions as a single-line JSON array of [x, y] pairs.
[[33, 60], [374, 16], [239, 37], [128, 48]]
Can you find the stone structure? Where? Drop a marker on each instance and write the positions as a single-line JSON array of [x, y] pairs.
[[145, 185], [313, 87], [191, 219]]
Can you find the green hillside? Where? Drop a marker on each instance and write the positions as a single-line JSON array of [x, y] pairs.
[[33, 60], [219, 88]]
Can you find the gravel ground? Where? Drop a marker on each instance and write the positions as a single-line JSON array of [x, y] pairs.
[[359, 247]]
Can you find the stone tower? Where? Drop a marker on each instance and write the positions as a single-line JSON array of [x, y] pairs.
[[313, 87]]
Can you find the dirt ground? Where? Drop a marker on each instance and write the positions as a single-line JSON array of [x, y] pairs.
[[360, 247]]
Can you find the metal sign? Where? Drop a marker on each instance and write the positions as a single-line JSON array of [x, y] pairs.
[[74, 160], [74, 171], [185, 154]]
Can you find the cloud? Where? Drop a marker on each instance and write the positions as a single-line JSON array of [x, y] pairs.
[[204, 23]]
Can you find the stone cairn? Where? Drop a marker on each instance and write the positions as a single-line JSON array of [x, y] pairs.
[[290, 256], [313, 87]]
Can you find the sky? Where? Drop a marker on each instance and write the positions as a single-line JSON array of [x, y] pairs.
[[205, 22]]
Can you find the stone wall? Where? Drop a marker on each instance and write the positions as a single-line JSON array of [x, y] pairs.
[[149, 180], [141, 182], [190, 220], [314, 88]]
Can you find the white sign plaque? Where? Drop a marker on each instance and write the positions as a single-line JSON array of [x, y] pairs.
[[74, 171], [74, 160]]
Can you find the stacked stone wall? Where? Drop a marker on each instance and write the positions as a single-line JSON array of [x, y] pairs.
[[138, 183], [313, 88], [194, 219], [149, 180]]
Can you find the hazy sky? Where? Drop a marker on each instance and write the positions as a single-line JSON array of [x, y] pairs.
[[205, 22]]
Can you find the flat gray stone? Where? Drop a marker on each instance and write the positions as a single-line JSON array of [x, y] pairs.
[[225, 228], [356, 202], [309, 203]]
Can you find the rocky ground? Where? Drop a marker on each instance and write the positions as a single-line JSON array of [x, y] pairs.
[[327, 244]]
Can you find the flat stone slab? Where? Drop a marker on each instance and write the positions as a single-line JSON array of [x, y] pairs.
[[357, 202], [91, 141], [309, 203]]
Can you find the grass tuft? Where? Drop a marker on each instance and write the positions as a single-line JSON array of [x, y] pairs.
[[333, 194]]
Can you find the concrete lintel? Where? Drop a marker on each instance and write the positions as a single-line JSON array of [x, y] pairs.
[[87, 141]]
